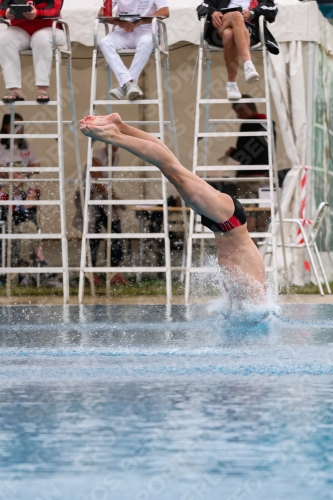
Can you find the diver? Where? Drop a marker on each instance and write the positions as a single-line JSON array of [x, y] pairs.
[[221, 213]]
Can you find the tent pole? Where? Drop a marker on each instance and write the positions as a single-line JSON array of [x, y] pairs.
[[309, 115]]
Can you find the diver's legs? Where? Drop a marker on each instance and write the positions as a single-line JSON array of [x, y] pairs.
[[115, 119], [201, 197]]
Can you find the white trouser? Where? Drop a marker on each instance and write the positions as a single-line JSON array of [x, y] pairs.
[[13, 40], [119, 39]]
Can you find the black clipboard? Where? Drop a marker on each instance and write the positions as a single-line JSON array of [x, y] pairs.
[[18, 9], [232, 9], [124, 17]]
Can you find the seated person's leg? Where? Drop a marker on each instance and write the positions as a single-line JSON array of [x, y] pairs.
[[26, 247], [117, 254], [231, 62], [95, 226], [39, 255], [94, 244], [12, 41], [236, 40], [109, 45], [144, 48], [42, 52]]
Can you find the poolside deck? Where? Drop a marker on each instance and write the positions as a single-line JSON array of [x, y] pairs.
[[150, 300]]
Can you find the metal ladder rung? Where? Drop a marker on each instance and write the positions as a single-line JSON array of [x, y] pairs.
[[237, 120], [26, 181], [30, 169], [219, 50], [43, 122], [202, 236], [126, 52], [33, 236], [127, 179], [29, 136], [31, 270], [250, 201], [208, 270], [29, 103], [148, 122], [231, 167], [124, 103], [124, 236], [134, 269], [210, 235], [226, 101], [29, 202], [145, 203], [263, 133], [124, 169], [261, 235], [214, 270], [236, 179]]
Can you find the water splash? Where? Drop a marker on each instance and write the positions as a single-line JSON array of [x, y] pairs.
[[240, 298]]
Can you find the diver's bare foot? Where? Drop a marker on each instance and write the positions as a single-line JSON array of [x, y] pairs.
[[101, 121], [107, 133]]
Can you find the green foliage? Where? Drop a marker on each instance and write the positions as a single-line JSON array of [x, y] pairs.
[[308, 289], [146, 287]]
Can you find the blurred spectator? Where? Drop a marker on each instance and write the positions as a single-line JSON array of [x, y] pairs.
[[98, 214], [33, 32], [131, 34], [3, 215], [25, 221], [236, 32], [3, 209], [24, 217], [23, 153], [23, 156], [250, 150]]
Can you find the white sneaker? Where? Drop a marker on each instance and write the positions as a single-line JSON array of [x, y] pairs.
[[133, 91], [118, 93], [233, 93], [250, 72]]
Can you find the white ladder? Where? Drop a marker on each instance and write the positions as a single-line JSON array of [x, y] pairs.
[[160, 47], [58, 52], [210, 124]]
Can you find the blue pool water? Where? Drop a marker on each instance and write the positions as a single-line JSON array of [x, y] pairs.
[[168, 403]]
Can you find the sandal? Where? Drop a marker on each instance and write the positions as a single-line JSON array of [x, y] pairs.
[[42, 97], [11, 97]]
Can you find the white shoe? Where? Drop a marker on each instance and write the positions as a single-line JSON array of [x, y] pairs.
[[233, 93], [250, 72], [118, 93], [133, 91]]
